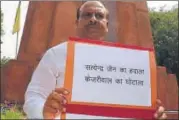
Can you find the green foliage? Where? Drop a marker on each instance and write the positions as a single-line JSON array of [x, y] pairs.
[[2, 31], [165, 33], [12, 113], [4, 60]]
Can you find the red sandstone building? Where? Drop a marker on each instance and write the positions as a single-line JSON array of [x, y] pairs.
[[50, 23]]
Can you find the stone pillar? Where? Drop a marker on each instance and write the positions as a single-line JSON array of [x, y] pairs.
[[127, 26], [37, 30], [63, 24], [112, 25], [161, 85]]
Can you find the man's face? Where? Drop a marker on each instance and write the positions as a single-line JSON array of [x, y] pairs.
[[92, 22]]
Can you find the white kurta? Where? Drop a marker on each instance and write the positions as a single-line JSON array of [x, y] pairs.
[[48, 75]]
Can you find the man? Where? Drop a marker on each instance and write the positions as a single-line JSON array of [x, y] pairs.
[[42, 98]]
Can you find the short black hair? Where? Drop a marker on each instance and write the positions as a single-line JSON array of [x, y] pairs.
[[78, 11]]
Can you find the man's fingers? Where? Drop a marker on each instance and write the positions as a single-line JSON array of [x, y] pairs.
[[163, 117], [158, 102], [155, 115], [62, 91], [159, 112], [59, 97], [50, 109], [161, 109], [56, 105]]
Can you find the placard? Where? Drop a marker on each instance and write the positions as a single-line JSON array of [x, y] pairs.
[[109, 80]]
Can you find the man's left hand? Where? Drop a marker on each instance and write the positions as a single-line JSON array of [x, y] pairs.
[[159, 114]]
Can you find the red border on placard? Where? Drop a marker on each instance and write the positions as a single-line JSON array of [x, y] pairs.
[[110, 111], [105, 43]]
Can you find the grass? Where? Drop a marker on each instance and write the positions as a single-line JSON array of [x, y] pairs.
[[12, 111], [12, 114]]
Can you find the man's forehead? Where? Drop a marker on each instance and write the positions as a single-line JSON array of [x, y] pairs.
[[92, 5]]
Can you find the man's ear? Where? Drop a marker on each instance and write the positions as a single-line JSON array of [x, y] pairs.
[[76, 22], [107, 27]]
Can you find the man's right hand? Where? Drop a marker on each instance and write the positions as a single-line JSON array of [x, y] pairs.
[[55, 103]]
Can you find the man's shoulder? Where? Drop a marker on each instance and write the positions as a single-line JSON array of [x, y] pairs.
[[55, 53], [57, 50], [59, 46]]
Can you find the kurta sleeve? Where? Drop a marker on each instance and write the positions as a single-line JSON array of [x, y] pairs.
[[42, 83]]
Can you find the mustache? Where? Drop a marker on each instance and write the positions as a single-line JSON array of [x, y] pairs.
[[92, 24]]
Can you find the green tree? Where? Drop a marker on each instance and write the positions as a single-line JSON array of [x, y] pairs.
[[4, 61], [2, 31], [165, 34]]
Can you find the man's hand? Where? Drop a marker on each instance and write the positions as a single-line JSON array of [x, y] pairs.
[[159, 114], [55, 103]]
